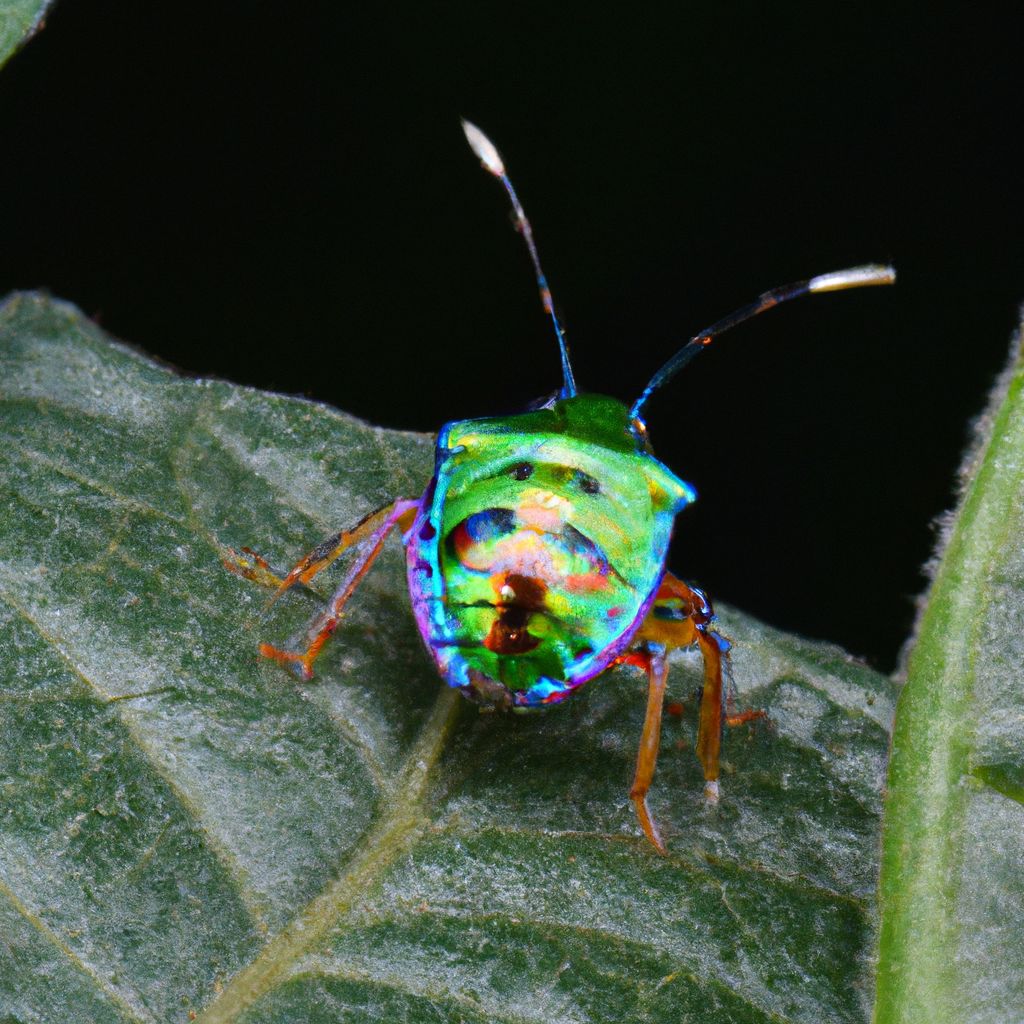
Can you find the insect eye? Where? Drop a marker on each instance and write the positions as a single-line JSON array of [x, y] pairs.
[[521, 471], [588, 485]]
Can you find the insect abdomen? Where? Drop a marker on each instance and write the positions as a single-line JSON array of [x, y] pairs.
[[538, 555]]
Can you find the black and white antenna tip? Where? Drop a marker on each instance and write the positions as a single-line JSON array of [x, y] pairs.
[[485, 150], [853, 277]]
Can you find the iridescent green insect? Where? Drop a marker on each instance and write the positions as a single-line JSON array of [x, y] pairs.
[[536, 556]]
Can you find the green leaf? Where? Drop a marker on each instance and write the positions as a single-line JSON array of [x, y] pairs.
[[952, 890], [186, 829], [19, 21]]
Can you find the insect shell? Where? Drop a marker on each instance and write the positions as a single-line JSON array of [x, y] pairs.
[[536, 556], [539, 547]]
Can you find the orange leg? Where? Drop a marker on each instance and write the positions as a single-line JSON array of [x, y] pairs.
[[717, 706], [709, 729], [328, 550], [249, 565], [650, 738], [680, 617], [366, 541]]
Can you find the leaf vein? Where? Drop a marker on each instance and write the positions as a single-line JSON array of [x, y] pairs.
[[618, 939], [345, 726], [394, 833], [131, 1006], [319, 967], [801, 882], [93, 485], [221, 852]]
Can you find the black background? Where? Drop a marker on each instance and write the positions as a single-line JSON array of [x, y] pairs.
[[283, 197]]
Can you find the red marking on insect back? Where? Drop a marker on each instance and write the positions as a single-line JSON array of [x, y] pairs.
[[523, 592], [637, 658], [461, 542], [521, 597], [508, 633], [587, 582]]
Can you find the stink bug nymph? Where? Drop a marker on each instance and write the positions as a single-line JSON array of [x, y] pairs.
[[536, 556]]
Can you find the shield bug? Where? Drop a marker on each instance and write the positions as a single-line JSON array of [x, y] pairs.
[[536, 556]]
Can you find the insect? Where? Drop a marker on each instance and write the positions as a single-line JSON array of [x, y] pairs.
[[536, 556]]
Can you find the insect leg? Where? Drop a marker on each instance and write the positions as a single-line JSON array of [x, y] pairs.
[[709, 730], [332, 547], [251, 566], [647, 754], [366, 540], [682, 615]]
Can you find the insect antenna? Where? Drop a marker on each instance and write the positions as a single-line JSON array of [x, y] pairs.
[[838, 280], [491, 161]]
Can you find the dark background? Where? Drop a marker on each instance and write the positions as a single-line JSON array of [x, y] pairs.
[[282, 196]]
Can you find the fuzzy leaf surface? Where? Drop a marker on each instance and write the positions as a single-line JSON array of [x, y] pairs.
[[19, 19], [186, 830], [952, 890]]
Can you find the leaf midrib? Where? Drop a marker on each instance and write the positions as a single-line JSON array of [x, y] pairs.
[[404, 817]]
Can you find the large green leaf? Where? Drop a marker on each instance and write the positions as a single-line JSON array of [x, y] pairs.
[[186, 829], [19, 19], [952, 937]]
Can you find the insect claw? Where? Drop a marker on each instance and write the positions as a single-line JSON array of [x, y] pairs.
[[647, 823], [300, 664], [249, 565], [711, 791]]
